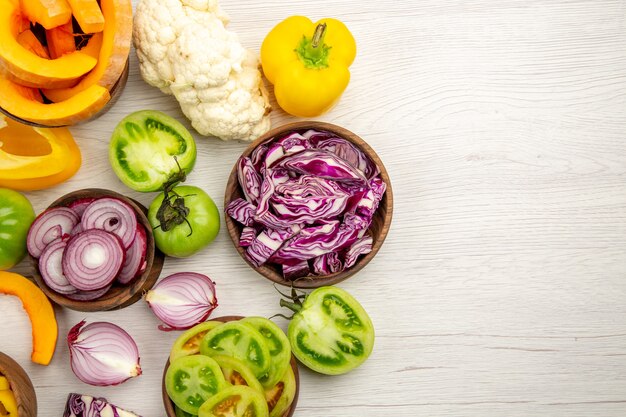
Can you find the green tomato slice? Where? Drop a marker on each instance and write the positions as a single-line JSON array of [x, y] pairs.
[[237, 373], [188, 343], [235, 401], [241, 342], [181, 413], [278, 345], [331, 334], [191, 380], [145, 147], [281, 395], [16, 216]]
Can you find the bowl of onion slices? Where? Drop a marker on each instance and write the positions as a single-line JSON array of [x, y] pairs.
[[93, 250], [308, 204]]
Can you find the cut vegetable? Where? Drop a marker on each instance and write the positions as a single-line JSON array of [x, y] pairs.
[[235, 401], [135, 262], [29, 41], [49, 226], [87, 406], [88, 15], [149, 148], [191, 380], [79, 107], [102, 354], [112, 52], [48, 13], [60, 40], [113, 216], [188, 343], [39, 311], [51, 270], [33, 70]]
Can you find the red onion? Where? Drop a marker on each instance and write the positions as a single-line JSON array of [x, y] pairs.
[[51, 269], [48, 226], [182, 300], [102, 354], [92, 259], [135, 262], [88, 295], [112, 215], [79, 206]]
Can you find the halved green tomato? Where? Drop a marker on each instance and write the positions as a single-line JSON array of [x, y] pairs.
[[235, 401], [331, 333], [188, 343], [191, 380], [278, 345], [148, 148], [181, 413], [237, 373], [281, 395], [239, 341]]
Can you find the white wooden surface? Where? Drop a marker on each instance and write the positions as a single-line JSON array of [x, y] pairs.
[[501, 288]]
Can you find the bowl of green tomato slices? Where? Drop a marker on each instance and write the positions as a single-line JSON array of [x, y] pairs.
[[210, 371]]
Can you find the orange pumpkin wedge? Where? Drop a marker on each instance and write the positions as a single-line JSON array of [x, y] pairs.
[[88, 15], [49, 13], [15, 101], [92, 48], [60, 40], [29, 41], [114, 51], [40, 311], [31, 69]]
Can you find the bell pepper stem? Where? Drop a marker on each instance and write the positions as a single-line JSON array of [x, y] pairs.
[[313, 52]]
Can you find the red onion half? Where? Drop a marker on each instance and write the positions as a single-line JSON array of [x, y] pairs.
[[112, 215], [48, 226], [102, 354], [51, 269], [182, 300], [92, 259]]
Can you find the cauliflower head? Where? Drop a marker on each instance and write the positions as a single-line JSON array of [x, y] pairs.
[[185, 50]]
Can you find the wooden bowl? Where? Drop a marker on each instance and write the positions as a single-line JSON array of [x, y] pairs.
[[378, 229], [119, 296], [21, 386], [115, 92], [169, 405]]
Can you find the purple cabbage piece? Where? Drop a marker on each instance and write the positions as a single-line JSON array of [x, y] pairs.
[[87, 406], [242, 211], [351, 154], [322, 164], [308, 199], [271, 179], [288, 145], [250, 179], [296, 270], [248, 234], [328, 263], [266, 244], [258, 157], [312, 242], [362, 246], [368, 204]]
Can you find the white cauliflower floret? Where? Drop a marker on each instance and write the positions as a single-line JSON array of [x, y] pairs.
[[185, 50]]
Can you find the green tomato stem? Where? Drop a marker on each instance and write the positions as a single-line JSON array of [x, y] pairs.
[[295, 307]]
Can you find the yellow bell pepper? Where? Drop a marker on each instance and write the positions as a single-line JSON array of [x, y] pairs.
[[308, 63], [35, 158]]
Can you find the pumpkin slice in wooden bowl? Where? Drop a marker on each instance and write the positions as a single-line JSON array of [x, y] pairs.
[[17, 394]]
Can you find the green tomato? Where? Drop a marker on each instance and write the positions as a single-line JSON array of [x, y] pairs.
[[16, 216], [281, 395], [187, 222], [330, 332], [188, 343], [241, 342], [191, 380], [237, 373], [149, 148], [279, 347], [235, 401]]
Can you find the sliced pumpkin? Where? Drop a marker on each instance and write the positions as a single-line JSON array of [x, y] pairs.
[[29, 41], [31, 69], [60, 40], [49, 13], [88, 15], [14, 99], [40, 311], [92, 48], [114, 51]]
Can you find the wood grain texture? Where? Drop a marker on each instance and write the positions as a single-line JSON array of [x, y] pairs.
[[500, 288]]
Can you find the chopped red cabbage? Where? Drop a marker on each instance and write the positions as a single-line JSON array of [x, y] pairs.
[[248, 234], [362, 246], [247, 175]]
